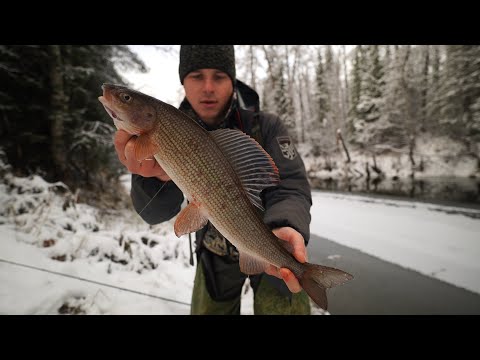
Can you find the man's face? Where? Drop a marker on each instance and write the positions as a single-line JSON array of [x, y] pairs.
[[209, 92]]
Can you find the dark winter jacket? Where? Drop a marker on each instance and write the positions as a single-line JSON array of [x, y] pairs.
[[287, 204]]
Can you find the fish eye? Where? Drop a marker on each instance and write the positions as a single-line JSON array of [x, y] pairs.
[[125, 97]]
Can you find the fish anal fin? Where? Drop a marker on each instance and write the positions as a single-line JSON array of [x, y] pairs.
[[316, 292], [144, 147], [190, 219], [250, 265]]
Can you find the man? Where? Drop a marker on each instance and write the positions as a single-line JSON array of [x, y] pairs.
[[207, 73]]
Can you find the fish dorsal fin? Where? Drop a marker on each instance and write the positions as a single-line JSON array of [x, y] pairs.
[[255, 168]]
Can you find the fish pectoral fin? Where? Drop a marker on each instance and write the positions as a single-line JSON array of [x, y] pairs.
[[144, 147], [190, 219], [250, 265]]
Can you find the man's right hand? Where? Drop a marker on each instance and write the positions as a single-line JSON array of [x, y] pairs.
[[125, 148]]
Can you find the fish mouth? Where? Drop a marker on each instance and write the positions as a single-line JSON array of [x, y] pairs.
[[110, 112]]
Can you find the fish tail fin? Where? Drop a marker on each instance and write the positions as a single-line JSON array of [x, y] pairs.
[[317, 279]]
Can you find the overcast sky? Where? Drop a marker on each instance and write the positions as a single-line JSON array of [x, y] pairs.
[[162, 81]]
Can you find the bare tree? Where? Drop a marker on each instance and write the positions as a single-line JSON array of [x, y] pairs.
[[253, 66], [345, 75]]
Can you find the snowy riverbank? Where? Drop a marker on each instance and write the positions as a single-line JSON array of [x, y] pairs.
[[39, 228]]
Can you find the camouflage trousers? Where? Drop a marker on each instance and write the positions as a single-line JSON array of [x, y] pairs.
[[222, 296]]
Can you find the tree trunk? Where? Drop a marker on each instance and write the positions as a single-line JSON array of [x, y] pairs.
[[253, 67], [58, 111], [375, 167], [340, 139], [345, 74], [426, 65], [302, 110], [270, 61]]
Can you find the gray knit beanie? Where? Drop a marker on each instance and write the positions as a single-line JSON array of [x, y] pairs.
[[194, 57]]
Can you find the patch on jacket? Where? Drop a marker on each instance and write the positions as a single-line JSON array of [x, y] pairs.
[[286, 146]]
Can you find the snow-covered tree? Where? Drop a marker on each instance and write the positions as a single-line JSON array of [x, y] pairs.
[[433, 96], [53, 123], [395, 92], [321, 93], [389, 129], [283, 102], [460, 92]]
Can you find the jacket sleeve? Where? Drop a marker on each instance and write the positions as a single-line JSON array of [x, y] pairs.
[[287, 204], [166, 204]]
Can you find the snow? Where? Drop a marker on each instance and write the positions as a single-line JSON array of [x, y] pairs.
[[111, 247], [440, 156], [41, 227]]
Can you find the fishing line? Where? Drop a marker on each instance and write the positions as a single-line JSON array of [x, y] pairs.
[[93, 282], [189, 235], [152, 198]]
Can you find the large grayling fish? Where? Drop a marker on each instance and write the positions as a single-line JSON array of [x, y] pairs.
[[222, 173]]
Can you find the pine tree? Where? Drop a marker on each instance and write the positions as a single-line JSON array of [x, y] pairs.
[[332, 76], [58, 111], [460, 93], [374, 83], [433, 102], [425, 87], [53, 123], [321, 92], [362, 105], [24, 130], [283, 102], [390, 127], [356, 87]]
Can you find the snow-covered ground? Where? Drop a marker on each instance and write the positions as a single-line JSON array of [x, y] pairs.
[[42, 228], [113, 261], [433, 156]]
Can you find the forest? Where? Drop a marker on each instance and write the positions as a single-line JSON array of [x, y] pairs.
[[362, 111], [51, 121]]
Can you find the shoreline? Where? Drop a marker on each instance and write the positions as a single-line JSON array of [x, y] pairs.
[[381, 195]]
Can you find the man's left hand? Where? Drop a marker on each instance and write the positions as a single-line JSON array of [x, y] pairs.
[[297, 243]]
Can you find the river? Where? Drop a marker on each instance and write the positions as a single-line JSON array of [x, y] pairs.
[[446, 190]]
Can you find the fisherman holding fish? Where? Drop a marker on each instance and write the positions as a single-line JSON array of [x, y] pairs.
[[215, 99]]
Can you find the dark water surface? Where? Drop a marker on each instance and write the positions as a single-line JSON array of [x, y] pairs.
[[383, 288]]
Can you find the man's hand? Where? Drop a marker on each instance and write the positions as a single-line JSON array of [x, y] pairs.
[[125, 148], [297, 243]]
